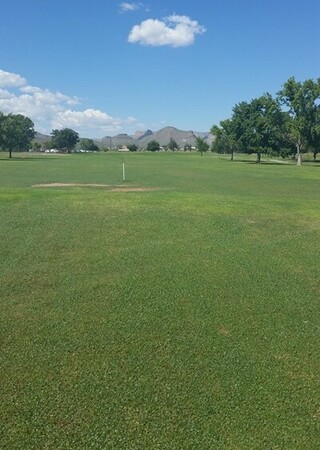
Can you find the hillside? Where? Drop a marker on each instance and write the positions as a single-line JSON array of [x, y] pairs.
[[142, 138], [163, 136]]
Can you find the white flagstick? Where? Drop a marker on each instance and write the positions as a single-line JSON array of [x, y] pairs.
[[123, 172]]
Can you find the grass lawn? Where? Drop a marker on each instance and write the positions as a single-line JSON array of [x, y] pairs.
[[185, 317]]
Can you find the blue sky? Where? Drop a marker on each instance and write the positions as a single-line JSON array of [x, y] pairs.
[[104, 67]]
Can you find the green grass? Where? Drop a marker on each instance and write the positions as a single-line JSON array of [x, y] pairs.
[[179, 318]]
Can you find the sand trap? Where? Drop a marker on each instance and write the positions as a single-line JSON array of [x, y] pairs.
[[118, 188]]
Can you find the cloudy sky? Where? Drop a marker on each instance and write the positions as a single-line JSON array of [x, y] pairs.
[[104, 67]]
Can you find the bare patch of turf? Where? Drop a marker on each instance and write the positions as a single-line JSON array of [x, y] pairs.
[[118, 188], [70, 185], [133, 189]]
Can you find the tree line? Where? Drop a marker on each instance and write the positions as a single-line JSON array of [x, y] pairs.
[[285, 125], [153, 146], [17, 132]]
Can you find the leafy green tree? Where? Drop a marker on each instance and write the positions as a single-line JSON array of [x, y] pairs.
[[17, 132], [153, 146], [46, 145], [88, 145], [173, 145], [2, 117], [315, 139], [201, 145], [225, 138], [302, 101], [65, 139], [36, 146], [259, 126], [132, 147]]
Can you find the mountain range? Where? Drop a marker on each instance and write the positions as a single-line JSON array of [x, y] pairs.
[[163, 136], [142, 138]]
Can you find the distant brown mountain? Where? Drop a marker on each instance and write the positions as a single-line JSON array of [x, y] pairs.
[[139, 135], [39, 137], [163, 136], [142, 138], [117, 141]]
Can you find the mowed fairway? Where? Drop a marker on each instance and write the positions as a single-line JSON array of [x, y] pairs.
[[185, 317]]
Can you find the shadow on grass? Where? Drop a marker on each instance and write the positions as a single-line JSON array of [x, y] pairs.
[[263, 163], [288, 162], [316, 163], [22, 158], [275, 163], [246, 161]]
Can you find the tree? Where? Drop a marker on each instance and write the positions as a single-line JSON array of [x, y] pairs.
[[89, 145], [2, 117], [46, 145], [36, 146], [187, 147], [17, 132], [65, 139], [153, 146], [132, 147], [259, 126], [225, 138], [201, 145], [172, 145], [302, 100], [315, 136]]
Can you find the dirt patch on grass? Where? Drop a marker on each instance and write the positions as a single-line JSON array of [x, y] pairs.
[[223, 330], [133, 189], [118, 188], [69, 185]]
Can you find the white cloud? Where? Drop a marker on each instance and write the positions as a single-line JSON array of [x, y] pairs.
[[44, 95], [8, 79], [6, 95], [50, 110], [91, 120], [175, 31], [128, 7], [124, 7], [41, 105]]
